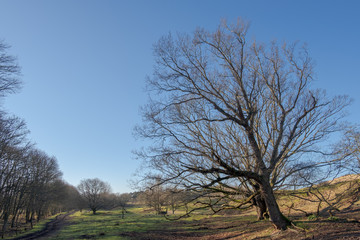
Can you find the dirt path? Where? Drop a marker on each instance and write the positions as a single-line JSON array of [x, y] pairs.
[[50, 228]]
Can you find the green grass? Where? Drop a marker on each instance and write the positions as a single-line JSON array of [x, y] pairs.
[[143, 223], [140, 223], [110, 225]]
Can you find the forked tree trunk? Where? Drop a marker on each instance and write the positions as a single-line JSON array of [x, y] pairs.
[[260, 205], [278, 219], [259, 202]]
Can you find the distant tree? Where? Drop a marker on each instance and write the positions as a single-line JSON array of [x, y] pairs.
[[154, 195], [349, 149], [110, 201], [226, 112], [70, 198], [123, 199], [94, 191]]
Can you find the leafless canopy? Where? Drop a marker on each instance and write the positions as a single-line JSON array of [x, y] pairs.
[[9, 72], [226, 111], [94, 191]]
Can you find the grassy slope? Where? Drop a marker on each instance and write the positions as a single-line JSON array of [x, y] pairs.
[[341, 193]]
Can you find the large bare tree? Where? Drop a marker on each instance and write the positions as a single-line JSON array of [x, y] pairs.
[[227, 112]]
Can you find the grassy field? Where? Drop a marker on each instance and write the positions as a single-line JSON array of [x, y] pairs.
[[140, 223]]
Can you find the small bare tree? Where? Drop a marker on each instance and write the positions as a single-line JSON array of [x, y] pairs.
[[154, 195], [93, 190], [349, 149]]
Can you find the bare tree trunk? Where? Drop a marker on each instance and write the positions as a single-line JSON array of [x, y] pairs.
[[260, 205], [38, 216], [123, 213], [279, 220], [14, 219], [31, 219], [5, 219], [93, 210], [27, 215]]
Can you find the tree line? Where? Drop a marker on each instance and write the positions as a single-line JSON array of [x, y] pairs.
[[31, 184], [30, 180]]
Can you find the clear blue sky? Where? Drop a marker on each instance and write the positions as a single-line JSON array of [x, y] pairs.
[[84, 65]]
